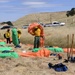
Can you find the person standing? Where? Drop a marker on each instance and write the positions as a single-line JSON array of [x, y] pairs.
[[7, 34], [19, 35], [37, 33], [36, 30]]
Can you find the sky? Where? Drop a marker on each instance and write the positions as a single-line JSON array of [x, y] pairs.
[[12, 10]]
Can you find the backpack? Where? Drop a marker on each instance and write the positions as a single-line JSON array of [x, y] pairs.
[[58, 67], [4, 35]]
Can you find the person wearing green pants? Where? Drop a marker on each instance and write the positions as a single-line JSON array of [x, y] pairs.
[[37, 33], [36, 41]]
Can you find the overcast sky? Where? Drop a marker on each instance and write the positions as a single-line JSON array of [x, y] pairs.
[[11, 10]]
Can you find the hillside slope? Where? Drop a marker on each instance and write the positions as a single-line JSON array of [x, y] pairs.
[[45, 17]]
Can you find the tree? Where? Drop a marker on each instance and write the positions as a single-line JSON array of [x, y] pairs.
[[67, 14], [71, 12], [8, 22]]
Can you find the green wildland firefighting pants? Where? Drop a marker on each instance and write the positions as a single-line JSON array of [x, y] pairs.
[[36, 41]]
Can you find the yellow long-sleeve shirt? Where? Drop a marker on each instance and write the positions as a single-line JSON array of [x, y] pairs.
[[7, 34], [19, 35], [37, 32]]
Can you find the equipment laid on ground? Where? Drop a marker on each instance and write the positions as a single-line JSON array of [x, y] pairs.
[[58, 67], [70, 50]]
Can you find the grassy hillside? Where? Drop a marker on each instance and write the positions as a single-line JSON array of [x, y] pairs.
[[54, 36], [45, 17]]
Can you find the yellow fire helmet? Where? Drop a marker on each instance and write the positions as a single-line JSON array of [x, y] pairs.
[[36, 27], [19, 30]]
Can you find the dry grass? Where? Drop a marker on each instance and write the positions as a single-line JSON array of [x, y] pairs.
[[58, 36], [54, 36]]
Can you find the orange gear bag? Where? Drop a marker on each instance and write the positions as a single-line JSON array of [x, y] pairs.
[[32, 26]]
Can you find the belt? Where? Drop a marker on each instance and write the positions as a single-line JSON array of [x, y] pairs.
[[37, 36]]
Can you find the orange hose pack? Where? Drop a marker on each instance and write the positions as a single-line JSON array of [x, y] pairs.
[[41, 53], [32, 26]]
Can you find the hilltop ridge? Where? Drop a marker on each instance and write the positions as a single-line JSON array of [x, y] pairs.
[[45, 17]]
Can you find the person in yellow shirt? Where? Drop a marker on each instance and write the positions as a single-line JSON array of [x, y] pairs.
[[19, 34], [37, 33], [7, 34]]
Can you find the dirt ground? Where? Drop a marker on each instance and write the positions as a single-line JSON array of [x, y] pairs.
[[32, 66]]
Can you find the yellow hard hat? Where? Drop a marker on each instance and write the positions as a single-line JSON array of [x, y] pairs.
[[19, 29], [36, 27]]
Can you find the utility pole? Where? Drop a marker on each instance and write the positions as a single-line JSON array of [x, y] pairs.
[[50, 17], [38, 20]]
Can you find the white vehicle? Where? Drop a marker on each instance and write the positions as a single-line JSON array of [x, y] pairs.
[[25, 26], [54, 23]]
